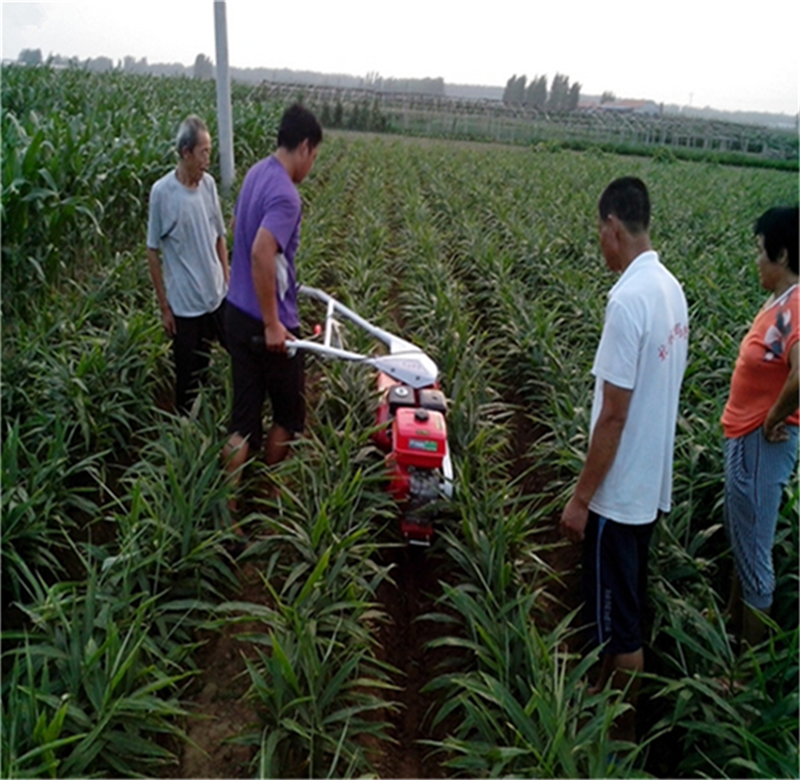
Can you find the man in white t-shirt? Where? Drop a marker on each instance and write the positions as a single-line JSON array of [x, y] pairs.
[[627, 476], [185, 225]]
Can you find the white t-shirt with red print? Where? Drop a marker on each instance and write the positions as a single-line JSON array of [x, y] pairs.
[[643, 348]]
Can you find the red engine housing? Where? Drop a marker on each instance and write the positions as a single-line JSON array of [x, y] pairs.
[[413, 433], [419, 442]]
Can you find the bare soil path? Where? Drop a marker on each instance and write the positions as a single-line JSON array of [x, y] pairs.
[[217, 698], [403, 640]]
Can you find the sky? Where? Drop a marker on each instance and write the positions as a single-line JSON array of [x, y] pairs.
[[687, 52]]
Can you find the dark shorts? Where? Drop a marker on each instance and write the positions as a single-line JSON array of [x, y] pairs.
[[191, 351], [195, 332], [615, 581], [257, 374]]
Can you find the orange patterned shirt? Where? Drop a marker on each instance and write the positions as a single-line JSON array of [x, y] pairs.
[[762, 366]]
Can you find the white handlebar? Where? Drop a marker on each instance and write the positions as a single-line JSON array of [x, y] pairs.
[[405, 362]]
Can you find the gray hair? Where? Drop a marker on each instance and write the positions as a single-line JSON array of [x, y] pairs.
[[189, 133]]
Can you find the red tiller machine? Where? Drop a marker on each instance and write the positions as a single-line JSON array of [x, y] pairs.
[[411, 416]]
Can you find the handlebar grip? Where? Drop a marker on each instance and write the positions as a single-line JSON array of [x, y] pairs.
[[260, 342]]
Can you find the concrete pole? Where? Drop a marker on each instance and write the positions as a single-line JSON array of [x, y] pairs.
[[224, 116]]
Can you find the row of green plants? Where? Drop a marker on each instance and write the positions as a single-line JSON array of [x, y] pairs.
[[114, 512], [101, 569], [460, 283], [536, 283], [113, 564], [529, 289]]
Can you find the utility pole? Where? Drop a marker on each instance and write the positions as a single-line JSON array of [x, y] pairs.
[[224, 116]]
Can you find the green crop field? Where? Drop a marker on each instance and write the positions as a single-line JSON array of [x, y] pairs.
[[133, 645]]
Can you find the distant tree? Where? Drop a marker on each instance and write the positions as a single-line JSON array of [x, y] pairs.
[[325, 118], [536, 93], [377, 121], [607, 97], [338, 114], [519, 89], [30, 57], [526, 99], [373, 80], [574, 97], [99, 64], [559, 93], [515, 89], [509, 87], [170, 69], [132, 65], [433, 86], [203, 68], [511, 93]]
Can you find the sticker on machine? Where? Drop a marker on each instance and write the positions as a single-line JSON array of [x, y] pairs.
[[419, 444]]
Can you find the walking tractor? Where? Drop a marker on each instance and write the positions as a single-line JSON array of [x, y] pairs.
[[411, 425]]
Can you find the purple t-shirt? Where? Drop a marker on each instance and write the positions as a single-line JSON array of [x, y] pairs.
[[268, 199]]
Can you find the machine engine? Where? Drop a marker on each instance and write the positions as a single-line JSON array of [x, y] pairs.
[[415, 440], [411, 427]]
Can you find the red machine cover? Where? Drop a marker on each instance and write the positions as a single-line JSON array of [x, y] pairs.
[[420, 437]]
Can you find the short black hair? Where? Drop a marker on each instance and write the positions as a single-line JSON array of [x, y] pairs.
[[628, 200], [778, 227], [297, 125]]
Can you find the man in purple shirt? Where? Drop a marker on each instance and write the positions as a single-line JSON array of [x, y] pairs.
[[261, 312]]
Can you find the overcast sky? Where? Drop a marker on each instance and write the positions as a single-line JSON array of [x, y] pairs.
[[688, 52]]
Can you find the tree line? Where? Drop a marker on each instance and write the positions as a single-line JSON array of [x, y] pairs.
[[560, 97], [204, 69]]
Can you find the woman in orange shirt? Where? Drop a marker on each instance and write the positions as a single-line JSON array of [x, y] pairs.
[[760, 423]]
